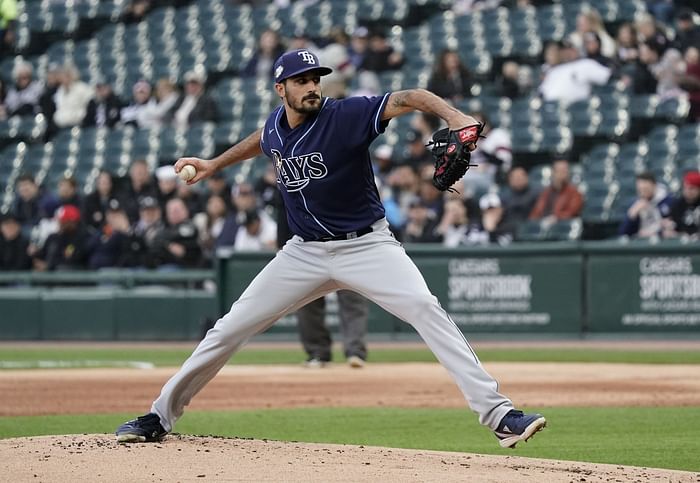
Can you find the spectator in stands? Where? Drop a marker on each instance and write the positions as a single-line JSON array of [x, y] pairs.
[[68, 192], [13, 245], [572, 78], [666, 65], [217, 227], [191, 196], [29, 202], [639, 75], [243, 197], [176, 245], [23, 97], [115, 245], [167, 180], [217, 186], [643, 218], [684, 217], [421, 226], [383, 162], [455, 227], [256, 232], [8, 16], [195, 105], [590, 21], [72, 98], [592, 48], [158, 112], [104, 110], [335, 55], [367, 85], [47, 103], [491, 215], [430, 196], [269, 48], [627, 47], [266, 189], [359, 45], [139, 185], [150, 221], [647, 29], [450, 78], [141, 98], [690, 82], [517, 201], [68, 248], [508, 84], [381, 56], [415, 152], [559, 201], [493, 158], [96, 202], [687, 32]]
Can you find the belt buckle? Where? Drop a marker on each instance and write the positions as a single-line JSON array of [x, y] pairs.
[[351, 235]]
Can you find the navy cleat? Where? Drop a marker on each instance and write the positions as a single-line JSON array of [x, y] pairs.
[[144, 429], [516, 426]]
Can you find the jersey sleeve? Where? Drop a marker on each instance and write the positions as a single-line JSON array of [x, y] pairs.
[[362, 117]]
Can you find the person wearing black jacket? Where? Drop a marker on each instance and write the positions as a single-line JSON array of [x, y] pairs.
[[104, 110], [69, 247], [177, 244], [116, 245], [13, 245]]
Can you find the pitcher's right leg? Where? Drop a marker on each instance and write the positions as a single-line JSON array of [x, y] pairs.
[[295, 276]]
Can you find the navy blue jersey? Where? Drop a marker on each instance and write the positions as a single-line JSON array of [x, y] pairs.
[[323, 166]]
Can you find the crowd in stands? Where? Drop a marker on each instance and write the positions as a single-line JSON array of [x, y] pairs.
[[150, 219]]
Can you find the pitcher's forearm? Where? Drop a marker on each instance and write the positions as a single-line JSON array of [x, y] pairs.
[[402, 102], [245, 149]]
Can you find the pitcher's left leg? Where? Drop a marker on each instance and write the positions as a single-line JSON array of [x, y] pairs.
[[378, 267]]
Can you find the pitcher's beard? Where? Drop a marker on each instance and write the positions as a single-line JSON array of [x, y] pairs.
[[306, 107]]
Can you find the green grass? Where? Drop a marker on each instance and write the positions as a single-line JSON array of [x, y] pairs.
[[651, 437], [175, 357]]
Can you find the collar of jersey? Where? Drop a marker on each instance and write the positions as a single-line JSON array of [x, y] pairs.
[[301, 127]]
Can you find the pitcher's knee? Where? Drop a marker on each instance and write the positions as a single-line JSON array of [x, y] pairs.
[[421, 309]]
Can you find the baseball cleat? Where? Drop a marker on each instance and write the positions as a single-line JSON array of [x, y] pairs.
[[516, 426], [144, 429], [356, 362]]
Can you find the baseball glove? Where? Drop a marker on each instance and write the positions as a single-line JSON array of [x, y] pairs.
[[452, 153]]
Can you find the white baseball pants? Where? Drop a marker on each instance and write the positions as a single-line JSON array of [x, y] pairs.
[[374, 265]]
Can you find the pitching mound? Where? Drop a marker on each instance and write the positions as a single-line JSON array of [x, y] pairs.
[[194, 458]]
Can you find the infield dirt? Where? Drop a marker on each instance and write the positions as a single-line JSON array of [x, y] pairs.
[[80, 391], [189, 458]]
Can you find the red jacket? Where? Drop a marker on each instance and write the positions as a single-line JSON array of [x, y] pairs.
[[567, 203]]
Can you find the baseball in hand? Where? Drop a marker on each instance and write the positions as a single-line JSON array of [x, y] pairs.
[[187, 172]]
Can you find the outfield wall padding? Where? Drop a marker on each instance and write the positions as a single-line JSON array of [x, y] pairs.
[[544, 288]]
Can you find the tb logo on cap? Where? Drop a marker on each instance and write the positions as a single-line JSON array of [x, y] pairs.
[[307, 57]]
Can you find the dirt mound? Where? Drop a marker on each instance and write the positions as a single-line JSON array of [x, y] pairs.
[[193, 458]]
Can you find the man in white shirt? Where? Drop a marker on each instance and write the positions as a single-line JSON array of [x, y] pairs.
[[72, 98], [572, 78], [257, 232]]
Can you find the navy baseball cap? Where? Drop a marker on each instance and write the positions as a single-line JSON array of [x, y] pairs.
[[297, 62]]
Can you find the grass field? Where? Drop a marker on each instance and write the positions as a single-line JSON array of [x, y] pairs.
[[629, 436], [30, 357]]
